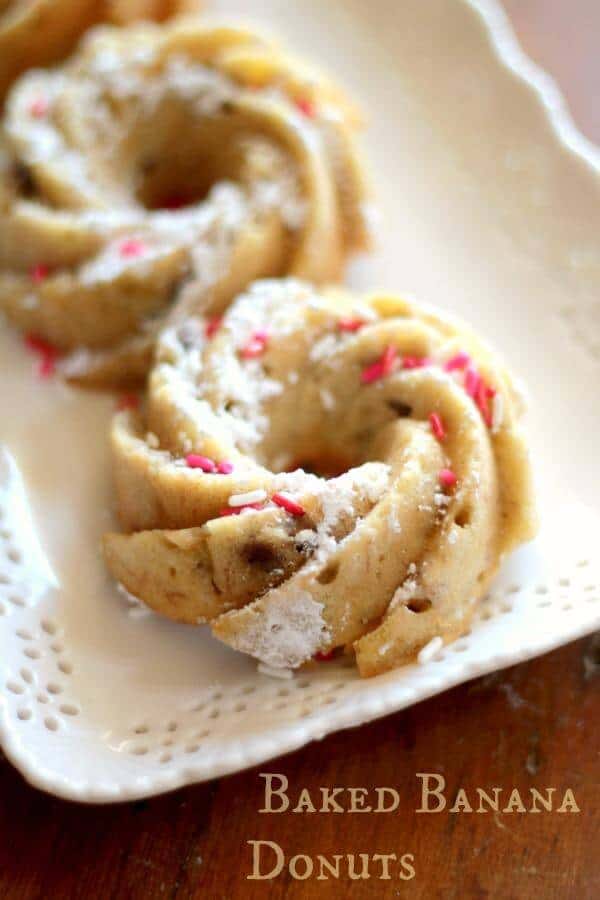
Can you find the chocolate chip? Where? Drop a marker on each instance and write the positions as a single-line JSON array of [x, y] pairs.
[[24, 179], [419, 605], [401, 409], [262, 555], [329, 573]]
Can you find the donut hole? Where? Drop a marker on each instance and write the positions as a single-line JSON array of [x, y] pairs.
[[183, 176], [315, 417], [163, 186], [325, 465], [183, 155], [318, 445]]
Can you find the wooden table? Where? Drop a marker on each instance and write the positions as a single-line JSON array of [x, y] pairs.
[[533, 725]]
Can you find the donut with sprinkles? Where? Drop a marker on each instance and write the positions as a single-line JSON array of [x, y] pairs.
[[353, 482], [158, 172]]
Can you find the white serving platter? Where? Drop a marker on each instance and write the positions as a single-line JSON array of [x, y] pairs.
[[490, 207]]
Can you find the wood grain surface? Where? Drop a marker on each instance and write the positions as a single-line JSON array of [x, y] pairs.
[[532, 725]]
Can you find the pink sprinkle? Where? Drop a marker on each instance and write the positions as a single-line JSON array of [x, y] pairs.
[[415, 362], [46, 367], [382, 367], [47, 353], [252, 349], [131, 247], [39, 273], [348, 324], [38, 108], [372, 373], [460, 361], [236, 510], [256, 345], [437, 426], [38, 344], [306, 107], [128, 401], [447, 478], [321, 656], [212, 326], [225, 468], [288, 504], [472, 381], [195, 461]]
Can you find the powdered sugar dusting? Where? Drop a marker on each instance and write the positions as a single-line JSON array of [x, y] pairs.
[[286, 632], [407, 590], [242, 384], [338, 499]]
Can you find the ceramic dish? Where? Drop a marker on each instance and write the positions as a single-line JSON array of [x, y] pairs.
[[491, 208]]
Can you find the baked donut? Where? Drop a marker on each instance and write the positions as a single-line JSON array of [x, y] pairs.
[[41, 32], [318, 471], [167, 162]]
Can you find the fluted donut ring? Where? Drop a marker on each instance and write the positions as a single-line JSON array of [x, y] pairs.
[[41, 32], [161, 162], [226, 526]]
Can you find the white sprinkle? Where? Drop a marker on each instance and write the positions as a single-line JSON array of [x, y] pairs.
[[307, 536], [497, 411], [327, 399], [272, 672], [428, 652], [393, 522], [256, 496], [324, 348], [152, 440], [30, 301]]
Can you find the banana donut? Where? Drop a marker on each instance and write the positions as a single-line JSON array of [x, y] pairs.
[[318, 470], [41, 32], [162, 163]]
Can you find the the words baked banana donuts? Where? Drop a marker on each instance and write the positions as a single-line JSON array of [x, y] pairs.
[[316, 471], [161, 163]]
